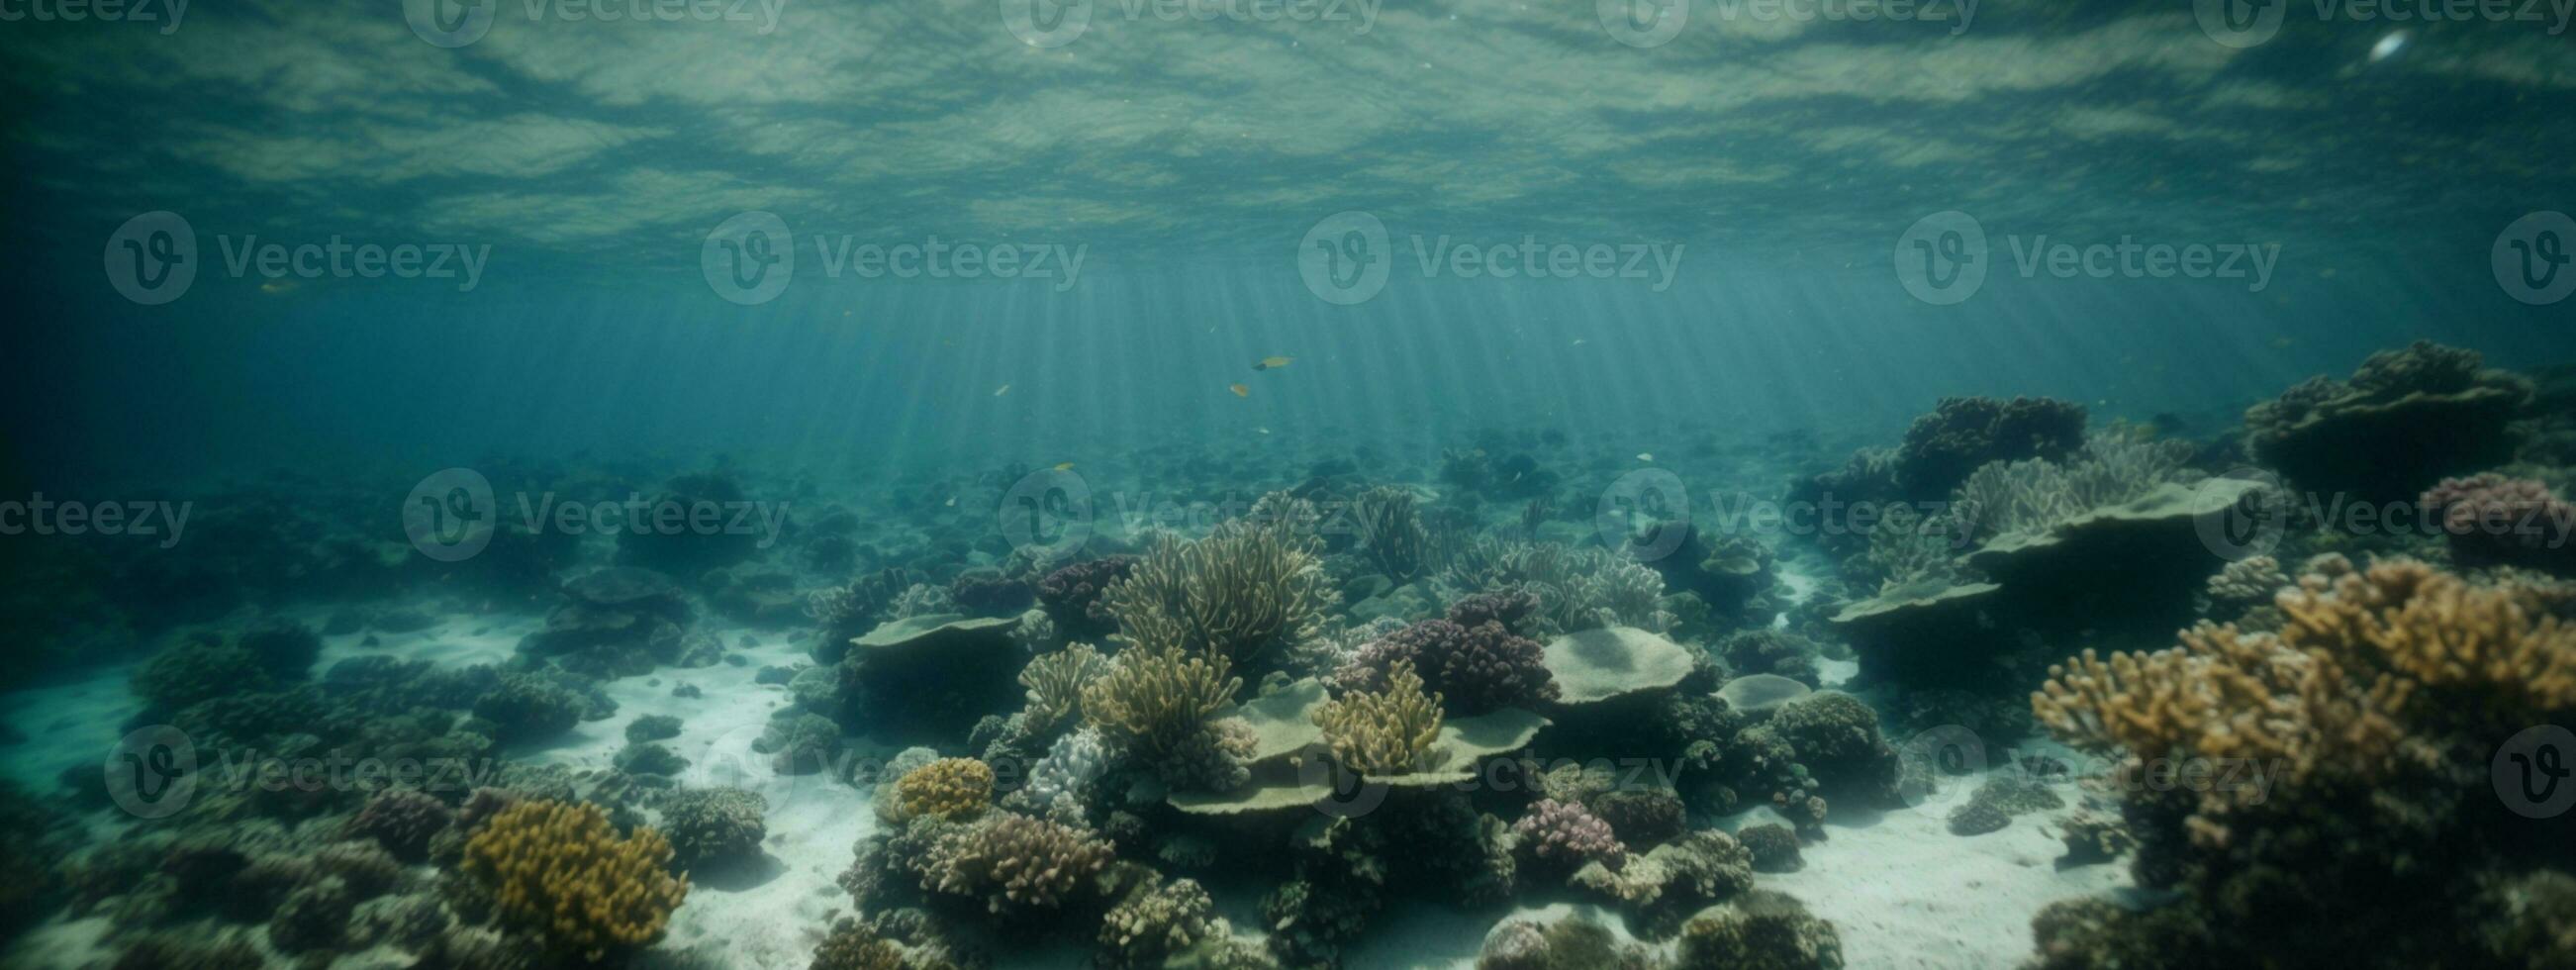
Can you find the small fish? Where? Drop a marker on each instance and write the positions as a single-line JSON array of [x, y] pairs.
[[1239, 390], [2281, 343], [1064, 466], [952, 502], [277, 286], [1646, 456], [1578, 341], [1273, 363], [1263, 430], [999, 391]]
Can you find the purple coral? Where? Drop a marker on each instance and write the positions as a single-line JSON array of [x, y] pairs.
[[2494, 519], [1072, 595], [1508, 607], [1567, 834], [1475, 669], [989, 594], [403, 821], [1961, 433]]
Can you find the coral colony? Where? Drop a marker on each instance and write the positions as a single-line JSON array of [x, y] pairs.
[[1265, 741]]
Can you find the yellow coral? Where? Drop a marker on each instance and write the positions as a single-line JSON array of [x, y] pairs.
[[948, 788], [1055, 683], [2367, 665], [1158, 697], [560, 869], [1383, 733]]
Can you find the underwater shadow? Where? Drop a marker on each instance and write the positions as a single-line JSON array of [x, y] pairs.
[[737, 875]]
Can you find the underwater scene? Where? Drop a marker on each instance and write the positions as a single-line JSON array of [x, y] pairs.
[[1281, 484]]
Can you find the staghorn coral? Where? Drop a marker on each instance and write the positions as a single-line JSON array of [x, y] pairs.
[[1156, 699], [1565, 834], [1476, 669], [2034, 494], [952, 788], [1055, 682], [1576, 589], [1241, 594], [1391, 533], [560, 870], [1013, 860], [1385, 732]]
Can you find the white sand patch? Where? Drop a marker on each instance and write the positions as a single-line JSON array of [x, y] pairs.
[[1904, 892]]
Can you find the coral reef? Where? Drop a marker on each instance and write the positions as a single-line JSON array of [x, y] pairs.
[[1565, 834], [950, 788], [1075, 595], [1475, 669], [2489, 519], [1963, 433], [1013, 861], [1242, 594], [1383, 732], [1055, 682], [2405, 419], [713, 826], [561, 871]]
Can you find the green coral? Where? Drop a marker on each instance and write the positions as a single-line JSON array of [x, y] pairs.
[[1241, 594]]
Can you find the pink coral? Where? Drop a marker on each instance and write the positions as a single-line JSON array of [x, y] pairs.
[[1567, 833], [1477, 668], [2491, 518]]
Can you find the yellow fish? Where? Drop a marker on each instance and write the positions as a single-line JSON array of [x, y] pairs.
[[1273, 363], [1064, 466], [999, 391], [1239, 390]]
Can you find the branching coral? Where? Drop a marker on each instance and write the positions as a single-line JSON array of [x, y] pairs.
[[2366, 663], [1074, 594], [1157, 698], [2033, 494], [1013, 859], [947, 788], [1962, 433], [1055, 682], [1391, 532], [2491, 519], [1386, 732], [560, 870], [1239, 594], [1576, 589]]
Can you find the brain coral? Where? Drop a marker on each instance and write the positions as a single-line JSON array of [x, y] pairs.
[[561, 871]]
